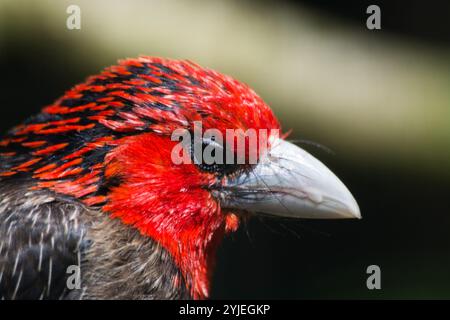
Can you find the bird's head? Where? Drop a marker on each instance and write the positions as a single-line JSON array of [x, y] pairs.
[[110, 143]]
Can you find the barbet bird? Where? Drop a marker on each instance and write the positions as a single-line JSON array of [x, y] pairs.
[[88, 187]]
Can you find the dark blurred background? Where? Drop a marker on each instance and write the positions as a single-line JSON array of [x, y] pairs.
[[378, 99]]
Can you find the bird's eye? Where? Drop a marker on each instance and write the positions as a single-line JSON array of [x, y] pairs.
[[211, 156]]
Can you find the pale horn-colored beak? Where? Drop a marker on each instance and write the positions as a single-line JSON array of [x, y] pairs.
[[289, 182]]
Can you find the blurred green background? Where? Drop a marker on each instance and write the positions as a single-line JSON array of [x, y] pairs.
[[380, 100]]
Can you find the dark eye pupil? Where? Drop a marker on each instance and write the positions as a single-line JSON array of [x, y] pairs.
[[219, 166]]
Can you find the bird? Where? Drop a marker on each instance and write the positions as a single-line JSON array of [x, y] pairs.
[[92, 205]]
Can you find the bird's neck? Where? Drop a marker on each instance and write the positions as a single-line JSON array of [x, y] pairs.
[[191, 246], [121, 263]]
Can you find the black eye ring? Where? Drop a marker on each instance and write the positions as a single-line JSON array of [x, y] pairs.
[[214, 160]]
